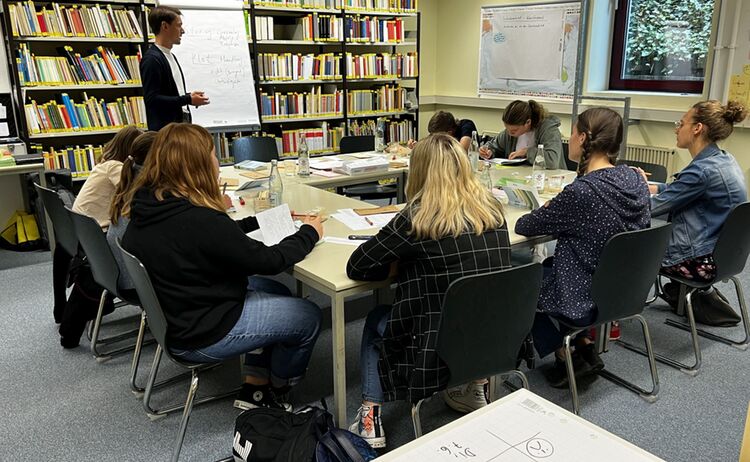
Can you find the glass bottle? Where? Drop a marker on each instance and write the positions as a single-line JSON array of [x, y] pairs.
[[275, 186], [538, 175], [303, 157]]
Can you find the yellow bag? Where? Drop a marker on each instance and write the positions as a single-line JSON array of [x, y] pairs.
[[20, 232]]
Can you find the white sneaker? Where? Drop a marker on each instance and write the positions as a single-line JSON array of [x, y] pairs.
[[369, 426], [465, 398]]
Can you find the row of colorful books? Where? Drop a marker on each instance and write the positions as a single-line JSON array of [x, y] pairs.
[[383, 99], [374, 29], [289, 66], [320, 140], [103, 66], [27, 20], [393, 6], [321, 27], [79, 160], [92, 114], [395, 130], [314, 103], [380, 65]]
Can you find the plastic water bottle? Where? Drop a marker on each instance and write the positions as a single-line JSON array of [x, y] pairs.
[[303, 157], [275, 186], [474, 151], [538, 175], [379, 136]]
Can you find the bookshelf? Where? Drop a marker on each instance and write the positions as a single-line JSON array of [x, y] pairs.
[[75, 72], [357, 51]]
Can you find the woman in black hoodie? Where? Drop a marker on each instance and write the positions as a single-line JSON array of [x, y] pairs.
[[203, 268], [604, 200]]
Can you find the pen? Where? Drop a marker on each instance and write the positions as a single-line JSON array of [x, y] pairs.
[[224, 189], [369, 222], [359, 237]]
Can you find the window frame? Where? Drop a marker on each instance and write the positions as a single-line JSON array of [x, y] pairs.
[[617, 59]]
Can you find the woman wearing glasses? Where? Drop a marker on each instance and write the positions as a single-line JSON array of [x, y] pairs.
[[700, 198]]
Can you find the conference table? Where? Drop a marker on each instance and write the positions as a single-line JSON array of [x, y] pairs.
[[324, 269]]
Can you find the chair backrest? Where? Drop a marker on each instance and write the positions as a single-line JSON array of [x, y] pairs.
[[260, 148], [157, 323], [485, 319], [65, 235], [733, 245], [657, 172], [357, 144], [93, 241], [626, 271], [569, 164]]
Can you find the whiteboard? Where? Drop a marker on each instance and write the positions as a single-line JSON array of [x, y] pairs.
[[4, 75], [215, 58], [529, 50]]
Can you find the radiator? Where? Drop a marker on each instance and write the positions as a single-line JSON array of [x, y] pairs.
[[649, 154]]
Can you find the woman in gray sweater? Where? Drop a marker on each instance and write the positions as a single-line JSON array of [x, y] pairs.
[[527, 125]]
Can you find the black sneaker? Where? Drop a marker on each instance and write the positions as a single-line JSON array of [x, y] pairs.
[[589, 355], [670, 293], [557, 376], [255, 396]]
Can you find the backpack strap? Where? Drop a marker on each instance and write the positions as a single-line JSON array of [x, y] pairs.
[[344, 443]]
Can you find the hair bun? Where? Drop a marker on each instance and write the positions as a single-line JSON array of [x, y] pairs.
[[734, 112]]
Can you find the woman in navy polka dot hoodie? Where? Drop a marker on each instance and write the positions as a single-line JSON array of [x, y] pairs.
[[604, 200]]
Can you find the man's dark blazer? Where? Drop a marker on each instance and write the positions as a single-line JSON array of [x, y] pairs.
[[163, 101]]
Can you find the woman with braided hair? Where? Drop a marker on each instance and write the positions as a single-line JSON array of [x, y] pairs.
[[699, 200], [604, 200]]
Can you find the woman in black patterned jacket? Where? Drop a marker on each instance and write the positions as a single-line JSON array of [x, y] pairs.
[[451, 227]]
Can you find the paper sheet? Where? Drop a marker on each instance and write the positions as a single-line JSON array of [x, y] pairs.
[[275, 224], [3, 112], [525, 427], [325, 173], [501, 161], [358, 223], [4, 130]]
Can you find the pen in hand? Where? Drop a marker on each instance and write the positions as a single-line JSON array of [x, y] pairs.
[[224, 188]]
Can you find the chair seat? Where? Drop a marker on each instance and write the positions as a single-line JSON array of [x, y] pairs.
[[688, 282]]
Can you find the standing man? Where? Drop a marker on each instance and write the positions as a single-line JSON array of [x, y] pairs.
[[164, 90]]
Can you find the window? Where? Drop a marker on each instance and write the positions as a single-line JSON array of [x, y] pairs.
[[661, 45]]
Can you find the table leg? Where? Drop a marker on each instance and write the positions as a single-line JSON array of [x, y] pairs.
[[338, 340]]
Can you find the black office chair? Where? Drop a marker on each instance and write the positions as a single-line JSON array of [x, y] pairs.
[[368, 191], [730, 256], [657, 173], [65, 236], [260, 148], [158, 326], [106, 273], [622, 280], [479, 336]]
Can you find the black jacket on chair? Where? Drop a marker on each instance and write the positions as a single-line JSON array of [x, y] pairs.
[[163, 101]]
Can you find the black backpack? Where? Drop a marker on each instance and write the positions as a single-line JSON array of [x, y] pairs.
[[309, 435]]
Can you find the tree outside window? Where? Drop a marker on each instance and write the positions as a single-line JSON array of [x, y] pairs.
[[661, 45]]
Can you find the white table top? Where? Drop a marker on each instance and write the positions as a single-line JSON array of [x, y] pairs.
[[519, 427]]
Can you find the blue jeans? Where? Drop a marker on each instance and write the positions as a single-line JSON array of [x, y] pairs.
[[275, 331], [372, 337]]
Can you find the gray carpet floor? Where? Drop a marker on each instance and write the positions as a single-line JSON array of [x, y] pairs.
[[62, 405]]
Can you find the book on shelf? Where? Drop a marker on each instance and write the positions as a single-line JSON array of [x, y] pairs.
[[367, 29], [312, 104], [381, 65], [320, 27], [263, 28], [319, 4], [391, 6], [289, 66], [320, 140], [385, 98], [79, 160], [102, 66], [92, 114], [58, 20], [399, 131]]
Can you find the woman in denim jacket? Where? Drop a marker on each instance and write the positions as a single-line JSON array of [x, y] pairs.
[[702, 195]]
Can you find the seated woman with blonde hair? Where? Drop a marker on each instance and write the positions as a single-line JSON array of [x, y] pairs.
[[204, 269], [451, 227]]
